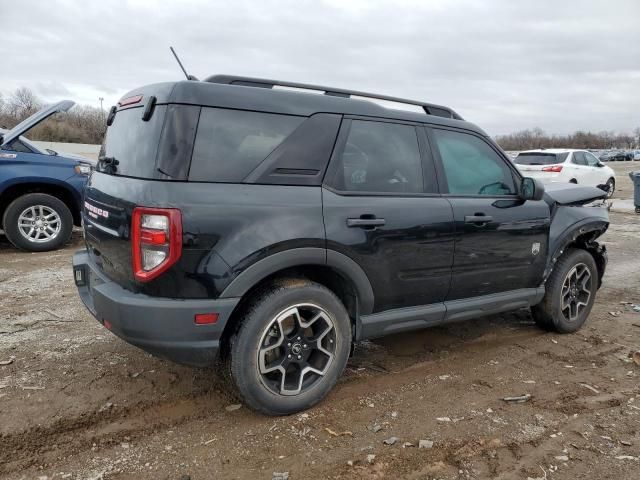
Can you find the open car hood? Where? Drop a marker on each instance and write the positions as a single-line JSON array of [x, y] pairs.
[[35, 119], [571, 194]]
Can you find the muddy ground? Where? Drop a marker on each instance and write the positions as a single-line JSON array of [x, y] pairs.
[[76, 402]]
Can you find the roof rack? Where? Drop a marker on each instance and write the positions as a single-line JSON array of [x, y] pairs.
[[429, 108]]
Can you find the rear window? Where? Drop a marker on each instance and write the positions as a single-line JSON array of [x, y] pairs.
[[132, 143], [540, 158], [229, 144]]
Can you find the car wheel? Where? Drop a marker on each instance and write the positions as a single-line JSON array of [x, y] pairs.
[[611, 187], [570, 293], [37, 222], [292, 346]]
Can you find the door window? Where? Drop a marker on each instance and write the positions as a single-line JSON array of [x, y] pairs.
[[380, 157], [471, 166], [591, 159]]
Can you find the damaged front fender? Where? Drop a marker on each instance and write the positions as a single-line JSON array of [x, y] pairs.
[[577, 227]]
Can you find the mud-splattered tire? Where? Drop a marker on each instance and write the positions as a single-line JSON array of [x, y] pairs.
[[570, 293], [291, 347]]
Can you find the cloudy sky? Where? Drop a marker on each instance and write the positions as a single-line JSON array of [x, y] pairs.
[[503, 64]]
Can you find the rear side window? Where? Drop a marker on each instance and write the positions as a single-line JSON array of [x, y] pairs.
[[537, 158], [380, 157], [471, 166], [229, 144], [578, 158]]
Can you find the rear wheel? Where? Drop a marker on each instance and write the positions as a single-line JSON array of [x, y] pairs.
[[37, 222], [570, 293], [291, 348]]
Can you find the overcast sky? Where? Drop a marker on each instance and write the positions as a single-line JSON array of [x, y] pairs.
[[505, 65]]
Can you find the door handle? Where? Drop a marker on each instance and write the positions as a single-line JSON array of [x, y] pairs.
[[478, 219], [365, 221]]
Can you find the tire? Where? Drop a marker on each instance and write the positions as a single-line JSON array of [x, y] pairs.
[[254, 346], [549, 313], [611, 183], [59, 225]]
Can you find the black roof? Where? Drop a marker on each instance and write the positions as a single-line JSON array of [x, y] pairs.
[[226, 91]]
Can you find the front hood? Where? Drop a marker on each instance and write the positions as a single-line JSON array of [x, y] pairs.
[[35, 119], [571, 194]]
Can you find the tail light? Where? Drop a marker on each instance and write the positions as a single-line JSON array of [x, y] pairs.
[[156, 241], [552, 168]]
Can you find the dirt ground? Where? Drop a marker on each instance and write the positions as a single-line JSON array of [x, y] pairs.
[[76, 402]]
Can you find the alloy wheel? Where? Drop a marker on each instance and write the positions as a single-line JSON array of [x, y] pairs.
[[39, 224], [296, 349], [575, 292]]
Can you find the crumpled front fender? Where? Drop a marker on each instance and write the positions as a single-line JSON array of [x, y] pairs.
[[577, 226]]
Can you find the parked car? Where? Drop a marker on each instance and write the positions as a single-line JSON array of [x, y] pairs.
[[271, 229], [40, 190], [605, 156], [636, 154], [567, 166], [621, 156]]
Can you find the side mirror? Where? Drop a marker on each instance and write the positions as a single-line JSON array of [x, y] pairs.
[[599, 164], [531, 189]]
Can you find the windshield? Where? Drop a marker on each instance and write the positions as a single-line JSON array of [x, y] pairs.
[[538, 158]]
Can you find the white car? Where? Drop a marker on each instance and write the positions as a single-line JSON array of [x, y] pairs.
[[556, 165]]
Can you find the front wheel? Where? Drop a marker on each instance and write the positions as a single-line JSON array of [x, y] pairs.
[[37, 222], [291, 348], [570, 293], [611, 187]]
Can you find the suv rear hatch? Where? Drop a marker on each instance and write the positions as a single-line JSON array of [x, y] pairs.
[[138, 147], [542, 165]]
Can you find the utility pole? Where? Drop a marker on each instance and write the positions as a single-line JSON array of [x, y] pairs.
[[101, 100]]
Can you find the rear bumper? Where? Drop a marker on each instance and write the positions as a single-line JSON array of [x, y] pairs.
[[161, 326]]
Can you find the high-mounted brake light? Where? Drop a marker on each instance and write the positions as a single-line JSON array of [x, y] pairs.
[[130, 100], [552, 168], [156, 241]]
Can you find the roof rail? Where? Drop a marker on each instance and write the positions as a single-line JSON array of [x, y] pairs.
[[429, 108]]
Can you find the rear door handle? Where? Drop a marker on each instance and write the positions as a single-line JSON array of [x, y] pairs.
[[365, 222], [483, 219]]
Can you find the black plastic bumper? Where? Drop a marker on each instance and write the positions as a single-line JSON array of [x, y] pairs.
[[164, 327]]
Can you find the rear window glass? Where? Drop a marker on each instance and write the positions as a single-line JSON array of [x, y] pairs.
[[540, 158], [231, 143], [132, 143]]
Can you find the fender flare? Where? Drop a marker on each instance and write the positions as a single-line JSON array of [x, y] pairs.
[[298, 257]]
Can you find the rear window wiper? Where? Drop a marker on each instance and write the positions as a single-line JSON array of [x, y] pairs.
[[108, 164]]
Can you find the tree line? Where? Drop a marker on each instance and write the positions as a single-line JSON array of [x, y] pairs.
[[81, 124], [537, 138]]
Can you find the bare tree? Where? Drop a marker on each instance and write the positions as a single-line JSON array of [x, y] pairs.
[[23, 103], [82, 124]]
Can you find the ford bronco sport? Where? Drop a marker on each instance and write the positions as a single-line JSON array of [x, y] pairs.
[[266, 226]]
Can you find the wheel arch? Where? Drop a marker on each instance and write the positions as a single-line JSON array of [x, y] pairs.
[[58, 190], [334, 270], [583, 236]]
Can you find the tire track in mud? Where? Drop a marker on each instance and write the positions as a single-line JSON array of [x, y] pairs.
[[102, 427], [105, 427]]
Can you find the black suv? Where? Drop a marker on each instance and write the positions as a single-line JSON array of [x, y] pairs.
[[266, 226]]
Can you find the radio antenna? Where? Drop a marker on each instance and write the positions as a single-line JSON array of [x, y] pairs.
[[189, 77]]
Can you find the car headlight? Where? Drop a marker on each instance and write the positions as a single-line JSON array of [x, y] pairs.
[[82, 169]]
